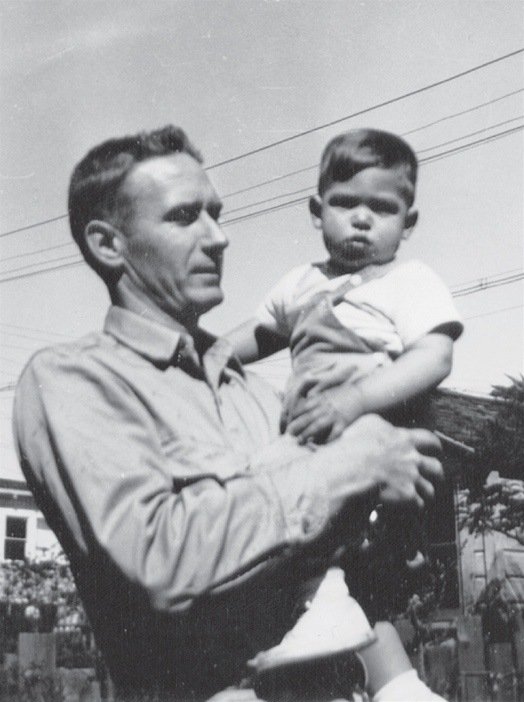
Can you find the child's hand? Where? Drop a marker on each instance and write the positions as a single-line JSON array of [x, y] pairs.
[[316, 420], [319, 418]]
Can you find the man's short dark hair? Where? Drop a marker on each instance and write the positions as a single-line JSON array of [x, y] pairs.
[[351, 152], [96, 182]]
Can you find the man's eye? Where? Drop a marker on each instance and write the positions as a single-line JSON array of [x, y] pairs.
[[184, 215], [214, 212]]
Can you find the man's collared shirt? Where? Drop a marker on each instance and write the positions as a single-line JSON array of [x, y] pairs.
[[164, 478]]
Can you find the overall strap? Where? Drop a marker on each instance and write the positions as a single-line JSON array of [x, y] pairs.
[[355, 280]]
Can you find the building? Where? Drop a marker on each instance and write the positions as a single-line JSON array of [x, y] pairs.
[[480, 557], [23, 530]]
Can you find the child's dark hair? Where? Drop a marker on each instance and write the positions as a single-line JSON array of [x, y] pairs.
[[351, 152]]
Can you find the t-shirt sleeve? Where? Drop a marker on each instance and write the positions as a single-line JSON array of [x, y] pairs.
[[423, 304], [275, 310]]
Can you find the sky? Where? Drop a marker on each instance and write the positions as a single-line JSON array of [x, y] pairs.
[[263, 85]]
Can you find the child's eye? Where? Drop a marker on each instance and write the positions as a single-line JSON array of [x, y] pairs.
[[384, 207], [343, 201]]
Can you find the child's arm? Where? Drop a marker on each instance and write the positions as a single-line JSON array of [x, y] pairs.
[[327, 411], [251, 341]]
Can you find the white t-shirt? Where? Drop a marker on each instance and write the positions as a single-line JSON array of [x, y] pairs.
[[390, 313]]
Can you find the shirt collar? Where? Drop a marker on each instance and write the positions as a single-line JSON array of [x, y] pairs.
[[165, 345]]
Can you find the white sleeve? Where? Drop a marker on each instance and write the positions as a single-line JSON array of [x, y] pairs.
[[422, 304], [274, 312]]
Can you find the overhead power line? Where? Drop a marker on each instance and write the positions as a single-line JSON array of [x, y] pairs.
[[411, 131], [272, 208], [32, 226], [427, 159], [486, 283], [338, 121], [379, 105], [421, 161], [489, 314]]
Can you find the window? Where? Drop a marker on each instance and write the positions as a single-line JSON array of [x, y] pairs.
[[15, 538]]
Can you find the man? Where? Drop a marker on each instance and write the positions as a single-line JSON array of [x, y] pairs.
[[189, 523]]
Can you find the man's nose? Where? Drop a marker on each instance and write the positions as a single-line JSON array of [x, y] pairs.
[[215, 235]]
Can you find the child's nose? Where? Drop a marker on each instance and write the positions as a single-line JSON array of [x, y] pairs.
[[360, 217]]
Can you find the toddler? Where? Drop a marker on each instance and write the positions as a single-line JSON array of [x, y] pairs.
[[366, 334]]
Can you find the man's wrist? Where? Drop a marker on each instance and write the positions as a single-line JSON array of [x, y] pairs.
[[348, 469]]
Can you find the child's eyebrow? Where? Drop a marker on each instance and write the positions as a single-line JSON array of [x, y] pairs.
[[347, 200]]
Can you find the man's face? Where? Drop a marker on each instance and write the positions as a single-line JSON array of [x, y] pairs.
[[172, 243], [364, 218]]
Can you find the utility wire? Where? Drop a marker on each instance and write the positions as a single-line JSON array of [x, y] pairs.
[[37, 251], [470, 134], [369, 109], [9, 386], [289, 203], [427, 159], [488, 314], [38, 263], [255, 204], [332, 123], [421, 161], [32, 226], [475, 280], [486, 284], [412, 131]]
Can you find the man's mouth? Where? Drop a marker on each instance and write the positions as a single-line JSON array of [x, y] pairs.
[[208, 272]]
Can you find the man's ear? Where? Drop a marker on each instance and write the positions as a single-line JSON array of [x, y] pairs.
[[105, 244], [315, 208], [411, 220]]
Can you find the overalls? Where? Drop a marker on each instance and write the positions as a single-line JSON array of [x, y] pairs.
[[322, 347]]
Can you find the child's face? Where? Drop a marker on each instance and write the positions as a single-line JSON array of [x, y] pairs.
[[364, 219]]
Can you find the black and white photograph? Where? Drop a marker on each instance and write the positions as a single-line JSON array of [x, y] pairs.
[[261, 350]]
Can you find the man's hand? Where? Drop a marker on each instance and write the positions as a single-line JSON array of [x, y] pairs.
[[372, 456]]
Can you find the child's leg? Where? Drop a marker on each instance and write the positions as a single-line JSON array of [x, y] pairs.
[[390, 675], [385, 658]]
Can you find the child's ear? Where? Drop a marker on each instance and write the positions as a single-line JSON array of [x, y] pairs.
[[411, 220], [315, 208]]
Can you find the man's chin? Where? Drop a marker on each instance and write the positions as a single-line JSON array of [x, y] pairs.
[[207, 300]]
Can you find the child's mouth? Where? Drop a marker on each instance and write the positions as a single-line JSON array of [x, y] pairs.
[[356, 247]]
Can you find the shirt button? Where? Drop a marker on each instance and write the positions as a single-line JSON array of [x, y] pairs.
[[356, 279]]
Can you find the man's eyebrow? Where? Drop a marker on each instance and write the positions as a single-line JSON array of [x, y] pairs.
[[185, 205]]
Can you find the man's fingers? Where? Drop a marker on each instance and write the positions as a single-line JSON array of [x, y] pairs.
[[431, 469], [426, 442]]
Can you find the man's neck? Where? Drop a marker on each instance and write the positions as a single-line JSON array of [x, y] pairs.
[[143, 306]]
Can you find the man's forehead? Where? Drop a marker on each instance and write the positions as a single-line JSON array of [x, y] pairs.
[[164, 173]]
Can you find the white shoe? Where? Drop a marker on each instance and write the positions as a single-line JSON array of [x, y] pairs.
[[333, 623]]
